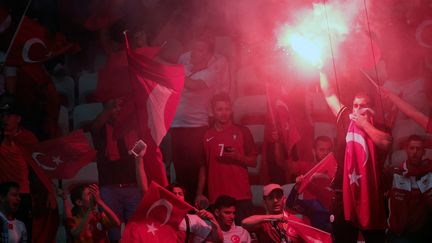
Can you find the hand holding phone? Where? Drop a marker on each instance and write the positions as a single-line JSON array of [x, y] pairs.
[[139, 148]]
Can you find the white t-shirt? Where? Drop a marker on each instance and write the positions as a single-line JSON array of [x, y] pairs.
[[193, 107], [236, 234], [199, 229], [17, 230]]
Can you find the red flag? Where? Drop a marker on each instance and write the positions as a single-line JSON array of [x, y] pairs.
[[62, 158], [280, 118], [150, 100], [156, 218], [104, 13], [34, 43], [310, 234], [317, 181], [362, 194]]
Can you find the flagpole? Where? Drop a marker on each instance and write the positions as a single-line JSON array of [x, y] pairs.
[[16, 32]]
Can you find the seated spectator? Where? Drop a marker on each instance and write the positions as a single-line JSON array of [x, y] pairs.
[[229, 149], [273, 226], [316, 200], [12, 230], [199, 227], [410, 199], [14, 140], [225, 213], [87, 224]]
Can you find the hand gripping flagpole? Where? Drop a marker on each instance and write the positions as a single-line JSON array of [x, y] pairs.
[[16, 33]]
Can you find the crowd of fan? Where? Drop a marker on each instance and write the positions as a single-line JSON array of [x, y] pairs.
[[217, 170]]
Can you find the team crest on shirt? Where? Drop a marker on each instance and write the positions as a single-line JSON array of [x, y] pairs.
[[235, 239], [99, 226]]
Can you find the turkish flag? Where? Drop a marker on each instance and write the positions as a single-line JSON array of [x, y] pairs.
[[310, 234], [317, 181], [280, 118], [157, 217], [104, 13], [363, 199], [150, 92], [34, 43], [62, 158]]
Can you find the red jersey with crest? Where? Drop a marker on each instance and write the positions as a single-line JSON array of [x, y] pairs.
[[227, 177]]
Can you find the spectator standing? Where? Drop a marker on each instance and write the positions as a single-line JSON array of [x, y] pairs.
[[229, 149], [205, 72]]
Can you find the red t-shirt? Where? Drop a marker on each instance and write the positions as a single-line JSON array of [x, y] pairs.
[[225, 177], [13, 162], [96, 230]]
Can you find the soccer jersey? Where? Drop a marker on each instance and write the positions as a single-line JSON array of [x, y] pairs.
[[227, 177], [198, 229], [13, 161], [95, 231], [236, 234], [16, 231]]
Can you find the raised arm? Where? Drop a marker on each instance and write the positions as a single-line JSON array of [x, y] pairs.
[[141, 176], [408, 109], [329, 94], [251, 223], [112, 217]]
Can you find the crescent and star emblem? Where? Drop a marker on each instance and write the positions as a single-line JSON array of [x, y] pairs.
[[55, 159], [28, 44], [163, 203]]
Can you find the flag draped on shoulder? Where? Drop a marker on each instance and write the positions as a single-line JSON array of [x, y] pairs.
[[363, 198], [157, 217], [62, 158]]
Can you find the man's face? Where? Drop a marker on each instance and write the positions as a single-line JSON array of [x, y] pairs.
[[222, 112], [226, 216], [179, 193], [11, 122], [201, 53], [415, 151], [86, 198], [322, 149], [12, 200], [274, 202], [360, 103]]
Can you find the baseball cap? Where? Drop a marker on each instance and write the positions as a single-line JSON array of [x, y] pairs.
[[271, 187]]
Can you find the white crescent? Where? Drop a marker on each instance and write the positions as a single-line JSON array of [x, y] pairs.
[[359, 139], [5, 24], [165, 203], [27, 45], [35, 155]]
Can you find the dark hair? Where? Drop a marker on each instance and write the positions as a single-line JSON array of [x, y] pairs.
[[222, 96], [324, 139], [414, 137], [224, 201], [76, 194], [363, 94], [6, 186], [171, 187]]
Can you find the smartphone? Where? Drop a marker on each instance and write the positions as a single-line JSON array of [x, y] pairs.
[[139, 146], [228, 149]]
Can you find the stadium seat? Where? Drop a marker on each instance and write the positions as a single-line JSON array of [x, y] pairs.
[[87, 84], [65, 86], [84, 114]]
